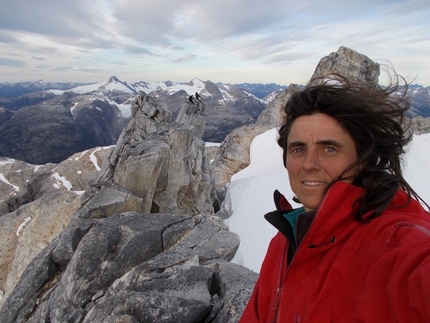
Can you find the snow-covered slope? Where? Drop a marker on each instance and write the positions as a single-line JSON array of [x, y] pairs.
[[191, 88], [112, 85], [149, 87], [251, 192]]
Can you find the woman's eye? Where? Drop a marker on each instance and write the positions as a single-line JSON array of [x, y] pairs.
[[297, 150]]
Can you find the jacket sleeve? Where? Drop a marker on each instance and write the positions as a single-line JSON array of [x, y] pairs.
[[398, 282]]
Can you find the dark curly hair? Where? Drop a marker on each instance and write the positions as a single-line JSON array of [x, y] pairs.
[[375, 119]]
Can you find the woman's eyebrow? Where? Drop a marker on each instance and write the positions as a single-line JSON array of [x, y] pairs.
[[329, 142], [296, 144]]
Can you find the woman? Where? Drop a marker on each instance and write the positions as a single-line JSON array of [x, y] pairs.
[[359, 248]]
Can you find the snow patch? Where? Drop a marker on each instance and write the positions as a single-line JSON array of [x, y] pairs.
[[262, 148], [22, 225], [56, 92], [82, 155], [4, 180], [61, 182], [87, 88], [149, 87], [6, 161], [73, 108], [226, 95], [93, 158], [123, 108], [117, 86], [191, 88]]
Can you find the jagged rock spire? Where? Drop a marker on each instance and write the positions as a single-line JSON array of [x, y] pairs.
[[349, 64], [162, 163]]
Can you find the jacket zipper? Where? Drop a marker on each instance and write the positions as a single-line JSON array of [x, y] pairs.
[[281, 279]]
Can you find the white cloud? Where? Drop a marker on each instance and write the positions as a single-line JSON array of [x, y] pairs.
[[212, 37]]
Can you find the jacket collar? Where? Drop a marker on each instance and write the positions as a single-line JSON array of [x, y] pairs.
[[334, 217]]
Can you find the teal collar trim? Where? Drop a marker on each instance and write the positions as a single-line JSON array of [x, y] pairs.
[[292, 218]]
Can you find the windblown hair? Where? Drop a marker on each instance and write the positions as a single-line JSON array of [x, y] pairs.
[[374, 117]]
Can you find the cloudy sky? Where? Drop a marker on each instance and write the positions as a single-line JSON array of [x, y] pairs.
[[229, 41]]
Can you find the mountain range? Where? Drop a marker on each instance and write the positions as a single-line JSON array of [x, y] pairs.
[[64, 118]]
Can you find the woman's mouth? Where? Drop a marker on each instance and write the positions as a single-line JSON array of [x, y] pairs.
[[314, 183]]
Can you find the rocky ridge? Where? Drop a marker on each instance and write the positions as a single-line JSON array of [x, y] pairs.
[[138, 249]]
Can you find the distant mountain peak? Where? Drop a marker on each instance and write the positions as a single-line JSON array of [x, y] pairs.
[[114, 79], [115, 84]]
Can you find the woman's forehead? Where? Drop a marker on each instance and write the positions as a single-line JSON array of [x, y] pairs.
[[316, 127]]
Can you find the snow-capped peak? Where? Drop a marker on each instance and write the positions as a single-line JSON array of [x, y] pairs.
[[195, 85], [114, 84]]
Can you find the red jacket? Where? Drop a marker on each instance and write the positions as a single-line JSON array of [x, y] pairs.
[[347, 271]]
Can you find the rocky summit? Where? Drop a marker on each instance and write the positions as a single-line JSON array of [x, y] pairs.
[[143, 244]]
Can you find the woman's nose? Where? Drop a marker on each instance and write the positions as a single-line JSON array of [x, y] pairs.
[[311, 161]]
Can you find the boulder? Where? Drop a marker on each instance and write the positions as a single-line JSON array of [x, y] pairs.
[[28, 230], [134, 267]]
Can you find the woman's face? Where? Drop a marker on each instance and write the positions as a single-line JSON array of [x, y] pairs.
[[319, 149]]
